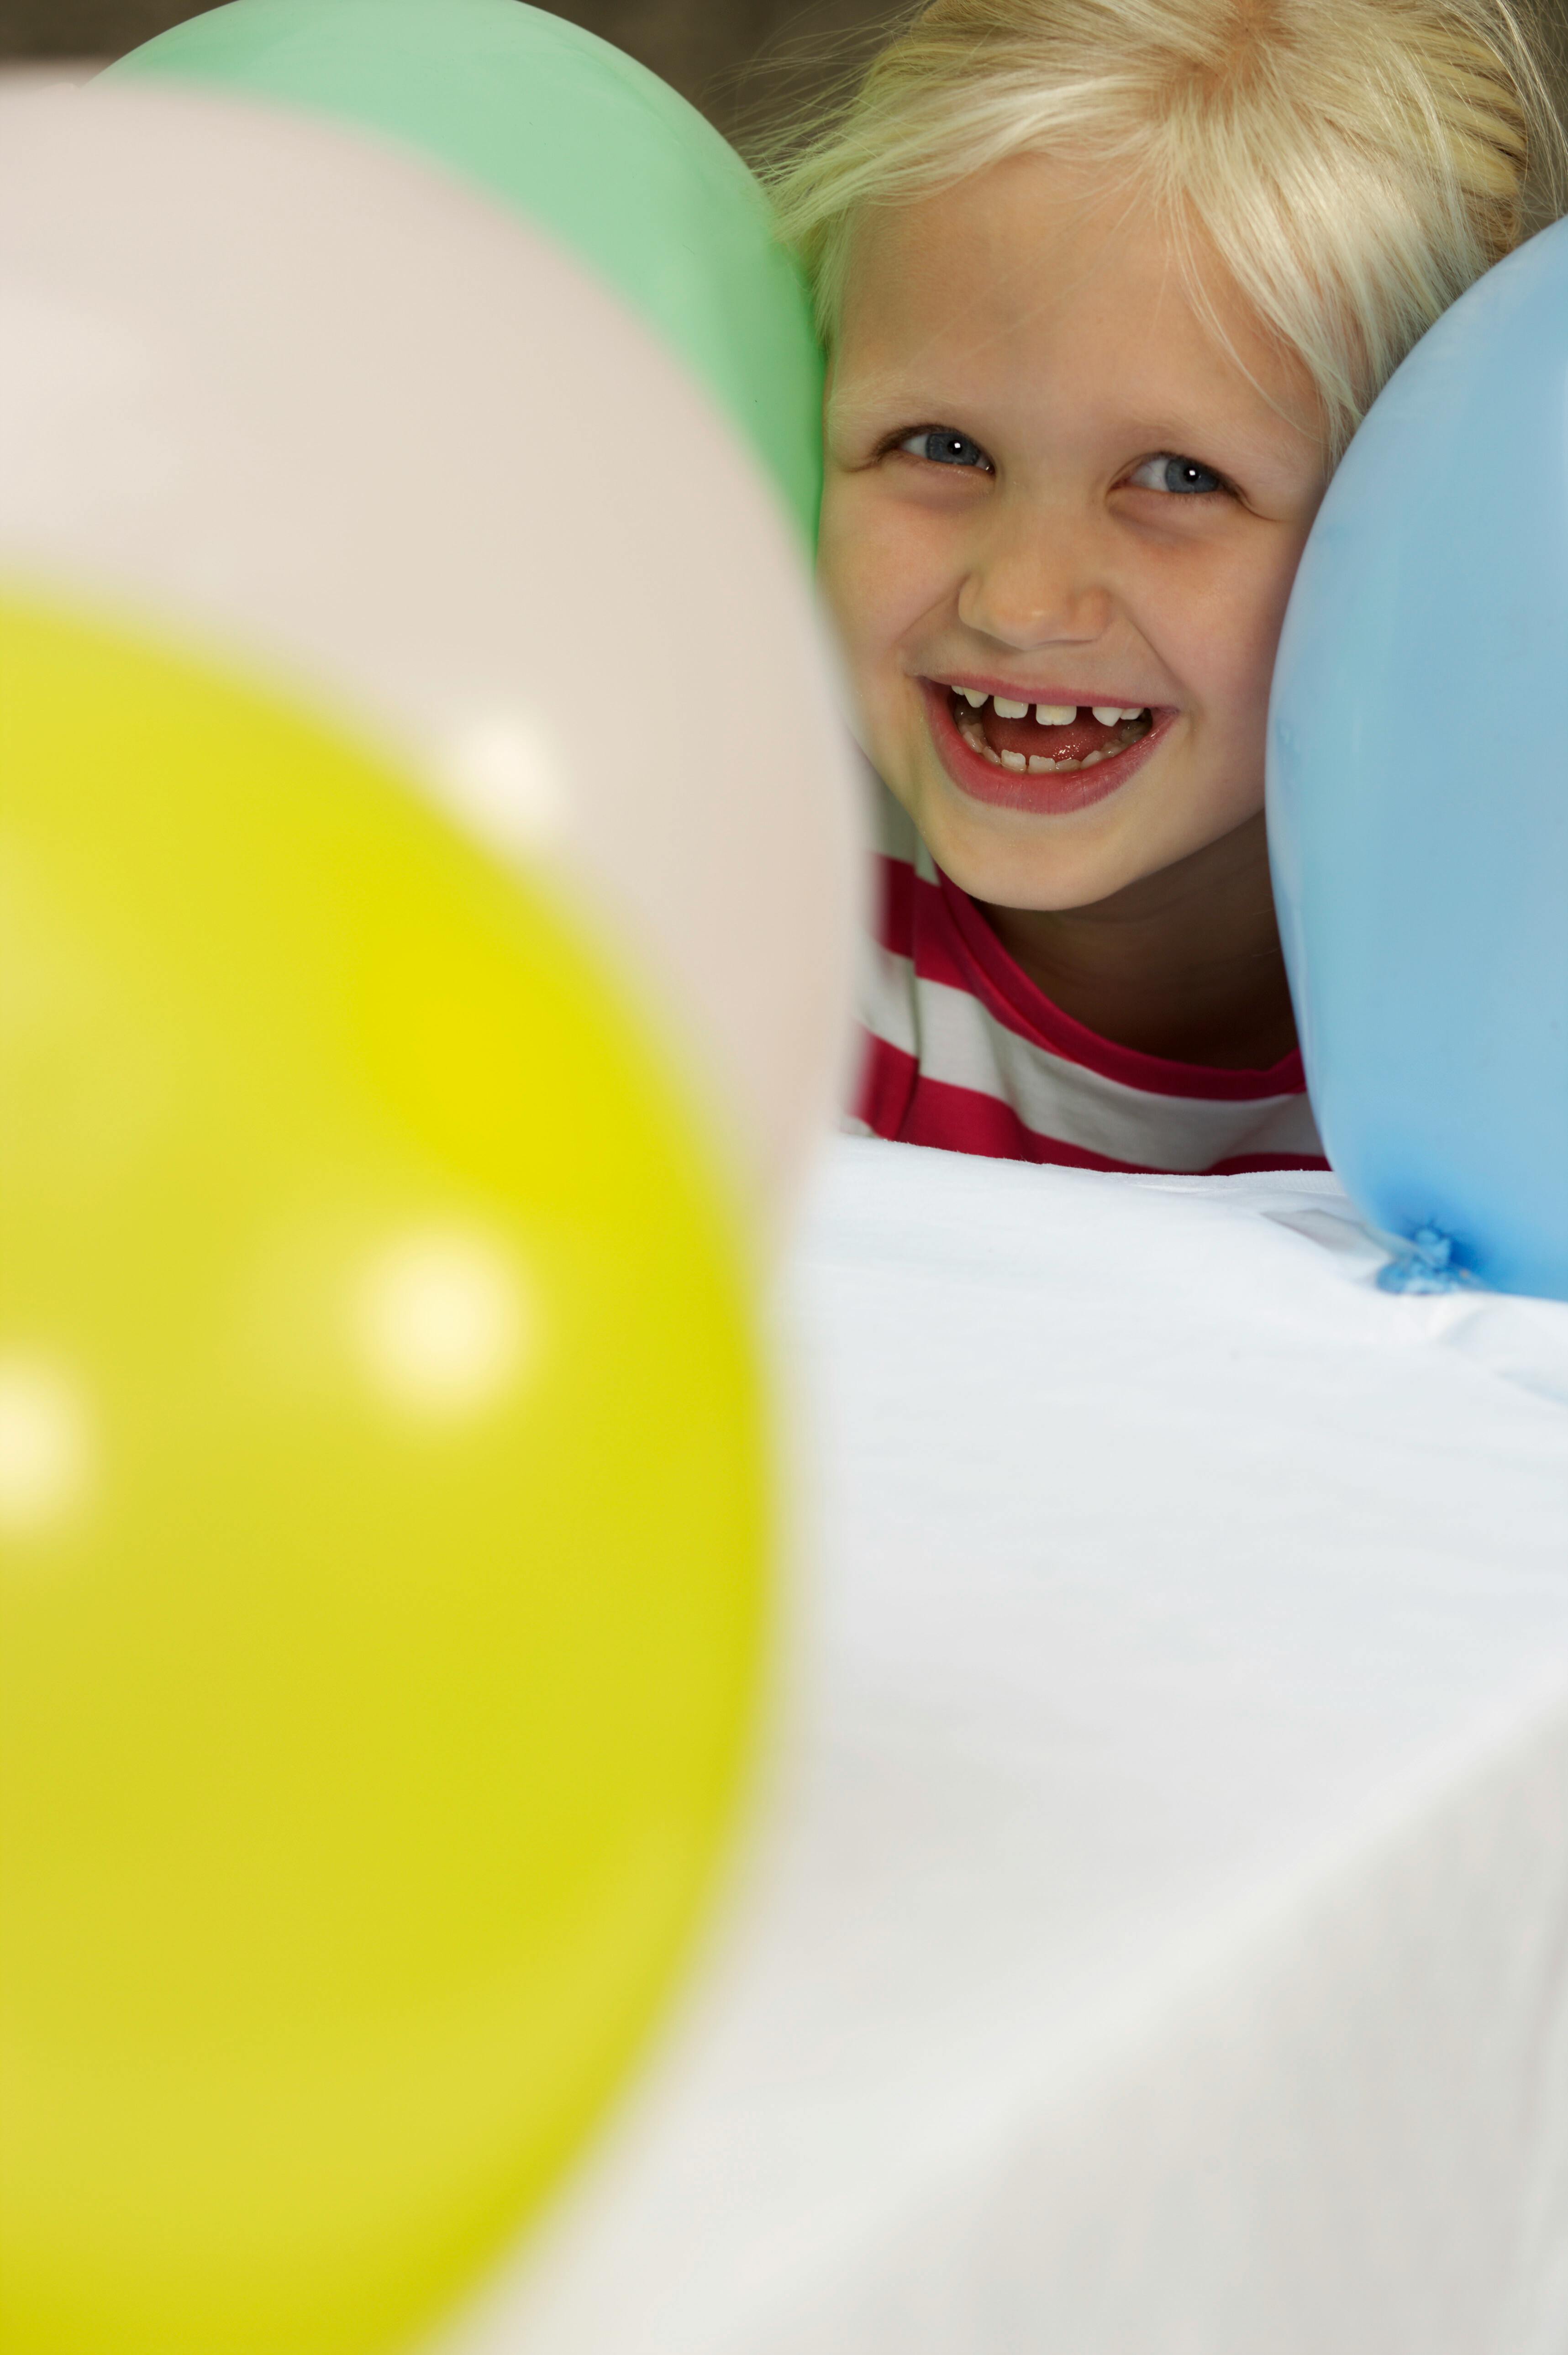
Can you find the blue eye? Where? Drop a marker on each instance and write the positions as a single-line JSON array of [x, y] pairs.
[[1183, 475], [942, 447]]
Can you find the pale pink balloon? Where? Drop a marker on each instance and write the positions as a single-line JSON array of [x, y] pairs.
[[318, 407]]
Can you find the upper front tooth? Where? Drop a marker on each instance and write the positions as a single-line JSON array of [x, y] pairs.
[[1132, 711], [973, 697], [1056, 715], [1107, 714], [1007, 709]]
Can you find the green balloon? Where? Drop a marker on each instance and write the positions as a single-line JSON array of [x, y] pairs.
[[587, 143]]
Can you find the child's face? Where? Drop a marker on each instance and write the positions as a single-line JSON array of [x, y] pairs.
[[1020, 391]]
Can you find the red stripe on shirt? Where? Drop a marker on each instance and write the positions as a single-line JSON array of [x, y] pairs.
[[888, 1080], [940, 931], [895, 906], [964, 1120], [897, 1099]]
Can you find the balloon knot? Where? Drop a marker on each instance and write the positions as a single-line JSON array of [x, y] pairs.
[[1423, 1261]]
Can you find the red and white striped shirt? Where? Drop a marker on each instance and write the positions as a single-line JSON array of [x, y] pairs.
[[963, 1050]]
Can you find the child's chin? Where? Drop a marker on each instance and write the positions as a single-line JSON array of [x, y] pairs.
[[987, 852]]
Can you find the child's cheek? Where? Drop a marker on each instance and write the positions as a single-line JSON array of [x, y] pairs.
[[1221, 632], [877, 570], [857, 572]]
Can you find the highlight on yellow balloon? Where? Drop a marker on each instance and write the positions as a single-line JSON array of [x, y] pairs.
[[384, 1489]]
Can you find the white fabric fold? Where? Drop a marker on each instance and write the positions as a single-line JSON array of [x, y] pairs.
[[1161, 1945]]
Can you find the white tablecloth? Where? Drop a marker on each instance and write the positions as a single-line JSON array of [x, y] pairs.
[[1161, 1943]]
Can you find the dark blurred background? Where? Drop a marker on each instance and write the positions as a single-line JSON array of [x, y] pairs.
[[743, 61]]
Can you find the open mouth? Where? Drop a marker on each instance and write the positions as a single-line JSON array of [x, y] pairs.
[[1045, 738], [1045, 756]]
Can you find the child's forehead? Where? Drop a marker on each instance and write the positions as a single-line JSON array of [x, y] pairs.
[[1022, 237], [1011, 255], [1034, 287]]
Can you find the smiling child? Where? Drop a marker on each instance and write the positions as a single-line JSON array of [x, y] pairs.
[[1106, 286]]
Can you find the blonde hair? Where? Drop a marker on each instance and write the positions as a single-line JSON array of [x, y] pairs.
[[1352, 165]]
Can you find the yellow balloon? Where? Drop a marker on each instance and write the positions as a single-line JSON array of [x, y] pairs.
[[384, 1481]]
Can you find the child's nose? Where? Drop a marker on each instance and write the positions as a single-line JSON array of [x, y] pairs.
[[1034, 581]]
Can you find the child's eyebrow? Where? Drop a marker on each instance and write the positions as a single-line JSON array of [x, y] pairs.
[[869, 416], [1271, 455], [1245, 437], [878, 397], [1241, 445]]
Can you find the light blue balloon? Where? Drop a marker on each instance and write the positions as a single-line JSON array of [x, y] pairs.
[[1418, 791]]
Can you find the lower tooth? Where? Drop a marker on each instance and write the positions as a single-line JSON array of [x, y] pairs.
[[1014, 761], [1089, 760], [994, 758], [1041, 764]]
